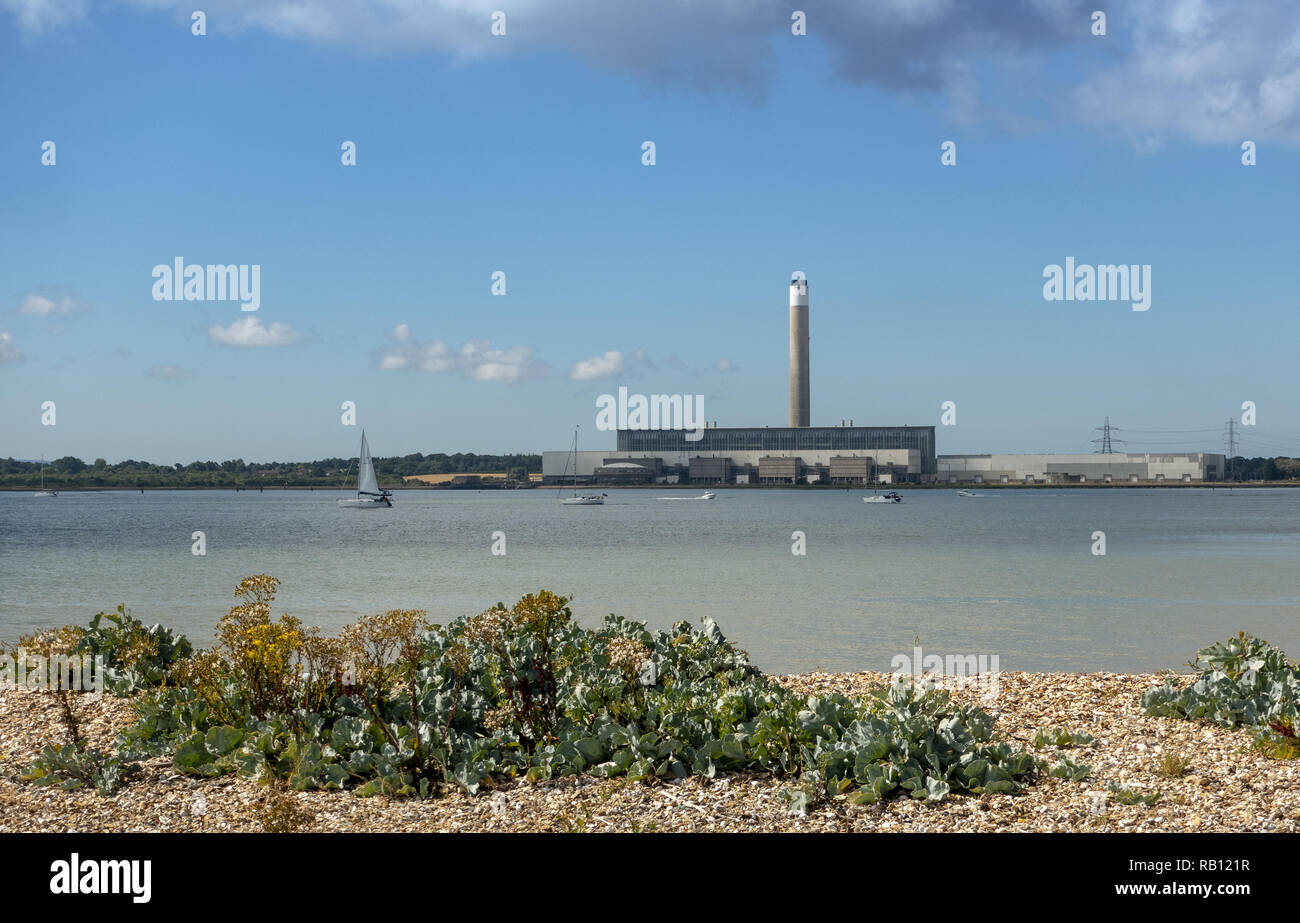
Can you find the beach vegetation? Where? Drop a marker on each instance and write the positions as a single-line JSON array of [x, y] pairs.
[[1125, 795], [1060, 738], [72, 766], [1243, 682], [1173, 764], [396, 706], [1066, 768]]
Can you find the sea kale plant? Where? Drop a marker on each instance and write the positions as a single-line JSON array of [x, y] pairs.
[[136, 656], [132, 656], [1244, 682], [397, 706]]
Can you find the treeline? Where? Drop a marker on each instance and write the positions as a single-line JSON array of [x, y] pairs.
[[1263, 469], [70, 472]]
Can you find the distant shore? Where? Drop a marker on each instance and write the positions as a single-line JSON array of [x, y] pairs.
[[1204, 485]]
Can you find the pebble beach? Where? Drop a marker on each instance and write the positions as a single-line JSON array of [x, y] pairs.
[[1225, 786]]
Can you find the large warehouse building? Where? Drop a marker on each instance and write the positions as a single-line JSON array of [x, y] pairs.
[[756, 455], [798, 453], [1096, 468]]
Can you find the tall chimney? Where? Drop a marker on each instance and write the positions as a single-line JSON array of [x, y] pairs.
[[799, 404]]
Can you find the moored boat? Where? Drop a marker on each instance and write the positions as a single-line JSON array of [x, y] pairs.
[[43, 492], [580, 499]]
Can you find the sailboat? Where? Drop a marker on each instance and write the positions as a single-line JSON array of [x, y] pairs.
[[370, 495], [580, 499], [43, 492]]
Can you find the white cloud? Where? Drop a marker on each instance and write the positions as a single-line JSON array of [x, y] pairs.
[[251, 332], [35, 17], [1211, 72], [8, 351], [612, 364], [598, 367], [45, 305], [724, 366], [476, 359], [170, 372]]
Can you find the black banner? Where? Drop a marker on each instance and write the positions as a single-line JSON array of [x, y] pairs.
[[166, 873]]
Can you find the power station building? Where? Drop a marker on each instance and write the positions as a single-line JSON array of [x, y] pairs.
[[845, 454], [755, 455], [799, 453]]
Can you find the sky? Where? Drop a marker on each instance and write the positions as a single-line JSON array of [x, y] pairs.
[[522, 153]]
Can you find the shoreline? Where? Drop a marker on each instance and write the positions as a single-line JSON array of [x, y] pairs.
[[1195, 485], [1226, 786]]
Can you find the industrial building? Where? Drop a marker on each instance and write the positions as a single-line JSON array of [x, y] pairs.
[[797, 454], [846, 454], [1094, 468], [811, 464]]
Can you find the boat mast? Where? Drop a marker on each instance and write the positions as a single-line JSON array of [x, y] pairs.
[[575, 461]]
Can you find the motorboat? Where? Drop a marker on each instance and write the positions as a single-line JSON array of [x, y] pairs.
[[891, 497]]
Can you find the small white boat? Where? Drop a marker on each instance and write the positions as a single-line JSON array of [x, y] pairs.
[[370, 496], [890, 497], [707, 495], [43, 492], [580, 499], [966, 493]]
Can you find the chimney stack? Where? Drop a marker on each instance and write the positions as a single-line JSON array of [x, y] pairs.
[[799, 402]]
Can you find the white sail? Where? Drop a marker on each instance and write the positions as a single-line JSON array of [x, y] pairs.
[[367, 483]]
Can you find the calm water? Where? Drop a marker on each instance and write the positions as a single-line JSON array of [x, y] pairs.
[[1008, 573]]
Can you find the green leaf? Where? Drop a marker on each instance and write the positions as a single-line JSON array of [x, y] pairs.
[[191, 755], [221, 740], [936, 789]]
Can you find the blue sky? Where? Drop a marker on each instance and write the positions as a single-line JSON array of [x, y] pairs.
[[522, 153]]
